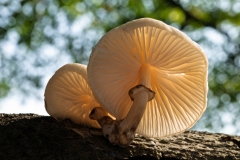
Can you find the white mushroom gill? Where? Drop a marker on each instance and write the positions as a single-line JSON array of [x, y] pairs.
[[174, 67], [68, 96]]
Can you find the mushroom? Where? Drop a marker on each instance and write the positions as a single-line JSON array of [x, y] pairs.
[[68, 96], [147, 59]]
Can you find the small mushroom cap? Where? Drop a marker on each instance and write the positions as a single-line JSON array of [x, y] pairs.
[[68, 95], [178, 75]]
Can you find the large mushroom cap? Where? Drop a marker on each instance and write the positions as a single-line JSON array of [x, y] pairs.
[[68, 95], [178, 70]]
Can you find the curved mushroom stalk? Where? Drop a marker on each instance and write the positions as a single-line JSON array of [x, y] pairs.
[[140, 96], [123, 132], [128, 126]]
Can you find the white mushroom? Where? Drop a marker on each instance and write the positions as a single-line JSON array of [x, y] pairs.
[[68, 96], [160, 59]]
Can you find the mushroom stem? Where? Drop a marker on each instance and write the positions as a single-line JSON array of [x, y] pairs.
[[123, 132], [140, 95], [126, 128]]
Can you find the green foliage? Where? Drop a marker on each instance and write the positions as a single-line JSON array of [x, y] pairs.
[[37, 36], [4, 88]]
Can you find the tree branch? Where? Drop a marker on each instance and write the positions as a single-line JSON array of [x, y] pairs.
[[29, 136]]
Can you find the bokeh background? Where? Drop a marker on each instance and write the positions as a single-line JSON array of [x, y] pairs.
[[38, 37]]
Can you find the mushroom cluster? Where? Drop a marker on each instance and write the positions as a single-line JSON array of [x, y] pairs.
[[148, 75]]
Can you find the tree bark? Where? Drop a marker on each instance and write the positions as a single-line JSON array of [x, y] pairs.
[[30, 136]]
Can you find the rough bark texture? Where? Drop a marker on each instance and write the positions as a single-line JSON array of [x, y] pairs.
[[30, 136]]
